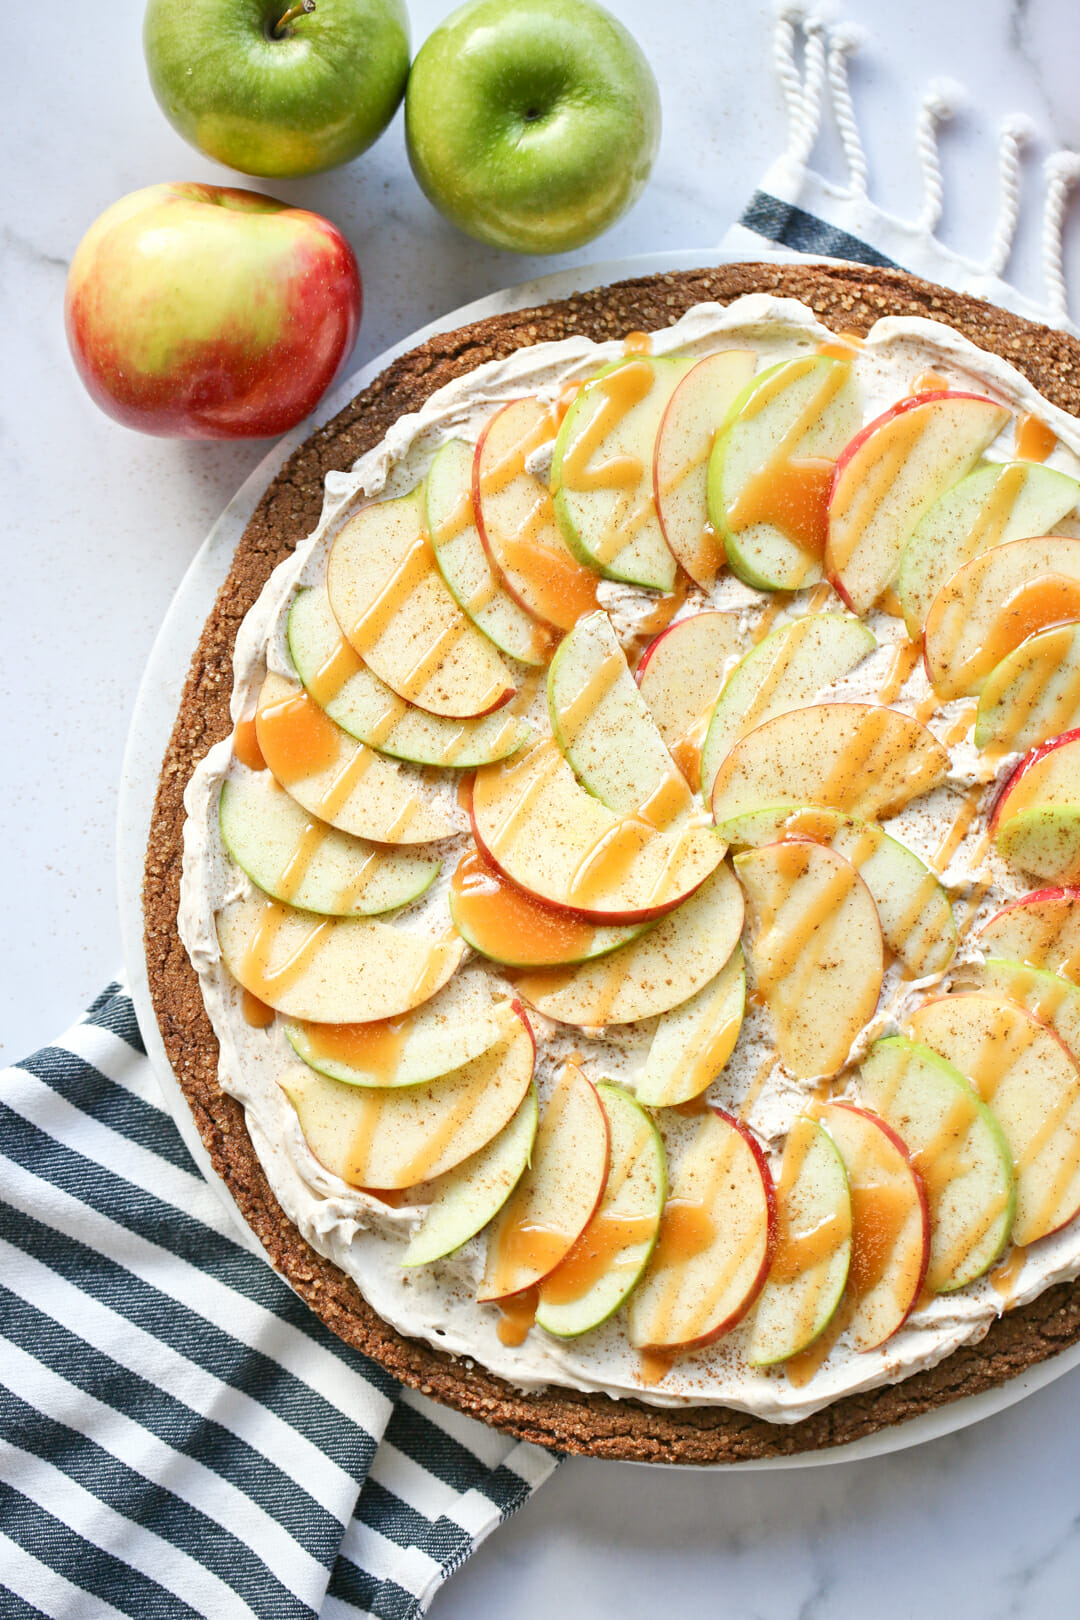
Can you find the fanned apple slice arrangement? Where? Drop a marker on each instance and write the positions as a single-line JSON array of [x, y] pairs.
[[594, 885]]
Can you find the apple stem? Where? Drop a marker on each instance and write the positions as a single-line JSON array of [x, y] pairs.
[[303, 9]]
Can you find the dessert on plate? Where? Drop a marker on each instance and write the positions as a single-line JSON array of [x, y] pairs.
[[628, 848]]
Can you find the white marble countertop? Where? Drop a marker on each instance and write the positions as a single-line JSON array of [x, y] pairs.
[[101, 524]]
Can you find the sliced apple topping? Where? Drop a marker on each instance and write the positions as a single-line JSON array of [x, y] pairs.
[[890, 475], [1033, 694], [772, 469], [684, 442], [694, 1040], [340, 780], [783, 672], [396, 612], [465, 565], [680, 675], [1041, 929], [957, 1147], [602, 471], [558, 1194], [517, 518], [330, 970], [292, 856], [994, 603], [859, 758], [605, 1263], [716, 1235], [1036, 819], [1052, 1000], [1026, 1076], [507, 925], [340, 683], [392, 1138], [665, 967], [815, 953]]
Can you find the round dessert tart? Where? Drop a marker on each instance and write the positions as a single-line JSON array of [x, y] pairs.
[[622, 872]]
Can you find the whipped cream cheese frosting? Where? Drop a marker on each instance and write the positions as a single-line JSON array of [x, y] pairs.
[[365, 1236]]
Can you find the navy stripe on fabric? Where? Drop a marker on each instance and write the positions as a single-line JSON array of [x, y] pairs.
[[425, 1443], [384, 1599], [92, 1569], [793, 227], [178, 1425], [86, 1088], [114, 1010], [13, 1607], [380, 1509]]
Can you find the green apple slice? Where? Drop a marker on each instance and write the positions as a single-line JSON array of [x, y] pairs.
[[1044, 841], [368, 710], [468, 1197], [771, 469], [785, 671], [957, 1147], [556, 1197], [809, 1265], [694, 1040], [1033, 694], [604, 1266], [393, 1138], [859, 758], [684, 441], [294, 857], [330, 970], [666, 966], [1024, 1073], [1041, 930], [603, 726], [998, 502], [602, 471], [1052, 1000], [992, 604], [815, 951], [465, 566], [339, 780], [396, 612], [681, 674], [507, 925]]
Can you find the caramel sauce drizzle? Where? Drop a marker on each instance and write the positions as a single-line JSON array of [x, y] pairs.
[[961, 725], [1005, 1277], [375, 1048], [255, 1012], [516, 1316], [266, 982], [620, 391], [495, 912], [1038, 604], [296, 738], [780, 601], [819, 597], [338, 667], [929, 382], [856, 500], [1034, 439], [573, 715], [1028, 686], [246, 745], [958, 829], [599, 1251], [637, 343], [903, 661]]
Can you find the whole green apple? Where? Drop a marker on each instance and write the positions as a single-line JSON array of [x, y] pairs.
[[532, 124], [278, 87]]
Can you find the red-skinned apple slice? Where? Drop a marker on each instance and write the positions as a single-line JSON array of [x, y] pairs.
[[992, 604], [815, 953], [373, 1137], [1028, 1079], [859, 758], [684, 442], [558, 1194], [888, 478], [1033, 694], [396, 612], [1035, 821], [716, 1235], [809, 1265], [507, 925], [694, 1040], [680, 675], [1052, 1000], [1041, 929]]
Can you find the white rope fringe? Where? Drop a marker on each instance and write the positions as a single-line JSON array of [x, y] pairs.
[[1062, 172], [941, 102], [843, 41], [1016, 133]]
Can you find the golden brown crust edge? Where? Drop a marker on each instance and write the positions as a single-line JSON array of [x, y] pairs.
[[847, 298]]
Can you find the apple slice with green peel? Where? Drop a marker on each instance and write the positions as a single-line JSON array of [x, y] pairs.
[[716, 1235], [1041, 930], [681, 674], [465, 565], [396, 612], [604, 1265], [958, 1148], [809, 1265], [665, 967], [694, 1040], [992, 604], [330, 970], [602, 471], [535, 823], [516, 516], [1033, 694], [1035, 821], [603, 726], [355, 698], [1052, 1000], [507, 925], [890, 1224], [684, 442], [468, 1197], [556, 1197], [392, 1138], [815, 952], [858, 758], [772, 467], [998, 502], [890, 475], [1024, 1073], [339, 780], [294, 857], [785, 671]]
